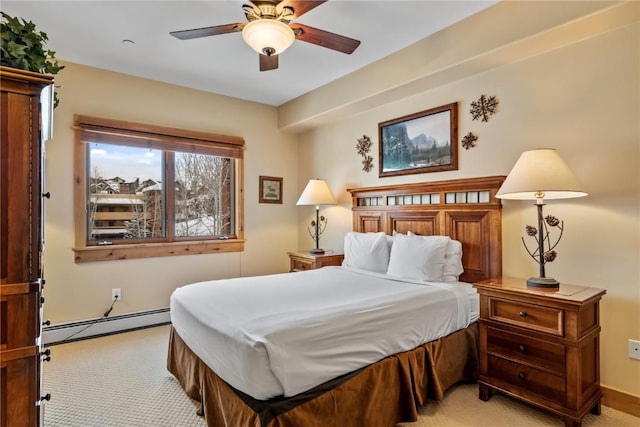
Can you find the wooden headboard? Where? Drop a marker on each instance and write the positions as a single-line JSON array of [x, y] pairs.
[[464, 209]]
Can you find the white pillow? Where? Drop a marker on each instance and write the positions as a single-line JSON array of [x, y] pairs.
[[366, 251], [390, 240], [417, 257], [452, 261]]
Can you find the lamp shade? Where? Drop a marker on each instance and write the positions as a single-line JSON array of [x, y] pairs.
[[539, 174], [316, 192], [268, 36]]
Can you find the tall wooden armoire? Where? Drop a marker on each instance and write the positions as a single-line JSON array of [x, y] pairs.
[[21, 200]]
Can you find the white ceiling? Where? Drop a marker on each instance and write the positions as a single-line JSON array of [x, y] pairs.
[[91, 33]]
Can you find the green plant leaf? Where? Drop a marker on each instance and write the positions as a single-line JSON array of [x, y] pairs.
[[23, 47], [15, 49]]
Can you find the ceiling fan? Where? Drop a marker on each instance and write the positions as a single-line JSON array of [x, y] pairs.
[[269, 30]]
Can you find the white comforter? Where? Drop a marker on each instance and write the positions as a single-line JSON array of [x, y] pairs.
[[286, 333]]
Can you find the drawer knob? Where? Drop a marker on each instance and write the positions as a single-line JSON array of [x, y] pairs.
[[46, 355], [523, 314], [522, 375], [522, 348], [303, 267]]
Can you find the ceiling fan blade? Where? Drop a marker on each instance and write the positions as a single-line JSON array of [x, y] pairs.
[[207, 31], [325, 38], [300, 7], [268, 62]]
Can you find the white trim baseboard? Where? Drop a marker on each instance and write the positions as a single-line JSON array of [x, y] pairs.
[[90, 328]]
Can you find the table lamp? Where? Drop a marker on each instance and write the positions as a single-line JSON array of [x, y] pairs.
[[538, 175], [317, 193]]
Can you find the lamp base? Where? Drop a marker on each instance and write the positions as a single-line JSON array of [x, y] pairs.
[[316, 251], [542, 282]]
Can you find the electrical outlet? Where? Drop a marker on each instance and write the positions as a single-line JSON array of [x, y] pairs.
[[634, 349], [116, 294]]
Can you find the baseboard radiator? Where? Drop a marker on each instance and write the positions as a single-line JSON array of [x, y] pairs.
[[91, 328]]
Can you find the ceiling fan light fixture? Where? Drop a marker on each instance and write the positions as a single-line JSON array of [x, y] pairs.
[[268, 36]]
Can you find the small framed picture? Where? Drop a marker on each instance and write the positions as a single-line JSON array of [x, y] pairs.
[[270, 190], [420, 142]]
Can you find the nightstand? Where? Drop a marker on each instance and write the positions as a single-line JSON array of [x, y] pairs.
[[301, 261], [541, 346]]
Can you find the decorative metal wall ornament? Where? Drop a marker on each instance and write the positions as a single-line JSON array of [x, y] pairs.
[[469, 140], [363, 146], [484, 108]]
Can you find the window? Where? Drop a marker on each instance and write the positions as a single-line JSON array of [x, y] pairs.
[[145, 191]]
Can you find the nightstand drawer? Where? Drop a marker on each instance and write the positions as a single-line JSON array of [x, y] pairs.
[[528, 379], [304, 261], [301, 265], [541, 354], [542, 319]]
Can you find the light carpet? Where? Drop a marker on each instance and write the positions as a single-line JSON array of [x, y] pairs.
[[121, 381]]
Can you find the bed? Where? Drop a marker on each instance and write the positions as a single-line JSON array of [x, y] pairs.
[[362, 363]]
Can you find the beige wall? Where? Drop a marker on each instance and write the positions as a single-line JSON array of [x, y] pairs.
[[573, 86], [82, 291], [577, 90]]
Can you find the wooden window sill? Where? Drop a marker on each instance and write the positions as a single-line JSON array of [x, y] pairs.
[[154, 250]]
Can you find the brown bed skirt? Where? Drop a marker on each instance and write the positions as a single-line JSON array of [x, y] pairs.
[[379, 395]]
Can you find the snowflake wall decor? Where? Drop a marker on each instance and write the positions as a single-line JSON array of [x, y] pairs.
[[484, 108], [469, 140], [363, 146]]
